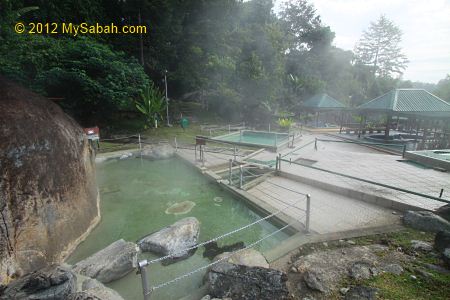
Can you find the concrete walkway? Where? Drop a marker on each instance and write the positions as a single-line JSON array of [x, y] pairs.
[[329, 212]]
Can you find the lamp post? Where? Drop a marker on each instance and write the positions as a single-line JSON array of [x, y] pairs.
[[167, 99]]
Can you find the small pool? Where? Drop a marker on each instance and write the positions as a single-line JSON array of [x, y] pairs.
[[434, 158], [264, 139], [135, 197]]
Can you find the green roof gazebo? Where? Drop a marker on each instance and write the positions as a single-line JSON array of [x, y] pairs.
[[417, 103], [322, 103]]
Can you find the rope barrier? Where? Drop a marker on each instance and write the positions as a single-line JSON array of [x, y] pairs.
[[279, 200], [218, 261], [121, 138], [223, 235], [294, 191]]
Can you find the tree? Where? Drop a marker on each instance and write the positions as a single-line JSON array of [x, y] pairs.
[[379, 47], [443, 88]]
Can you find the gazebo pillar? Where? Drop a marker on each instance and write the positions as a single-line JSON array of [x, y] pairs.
[[388, 126]]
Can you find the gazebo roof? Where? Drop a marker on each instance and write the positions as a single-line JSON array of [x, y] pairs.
[[408, 101], [323, 102]]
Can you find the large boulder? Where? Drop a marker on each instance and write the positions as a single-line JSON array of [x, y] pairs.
[[48, 193], [110, 263], [248, 257], [444, 211], [442, 240], [425, 221], [227, 280], [95, 288], [159, 151], [324, 271], [173, 239], [50, 283]]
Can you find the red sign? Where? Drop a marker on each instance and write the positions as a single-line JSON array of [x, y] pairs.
[[93, 133]]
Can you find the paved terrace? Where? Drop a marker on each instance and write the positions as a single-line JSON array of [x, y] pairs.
[[363, 162], [331, 212]]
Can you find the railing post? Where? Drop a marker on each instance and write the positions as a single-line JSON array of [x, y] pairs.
[[240, 177], [308, 212], [230, 180], [176, 144], [276, 163], [140, 146], [195, 151], [279, 161], [440, 194], [315, 144], [229, 128], [276, 139], [234, 153], [269, 127], [143, 271], [404, 151], [202, 155]]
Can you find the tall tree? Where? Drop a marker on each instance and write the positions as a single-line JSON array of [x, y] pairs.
[[380, 48], [443, 88]]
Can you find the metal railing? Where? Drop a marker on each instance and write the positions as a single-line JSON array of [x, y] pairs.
[[279, 160], [243, 174], [142, 265], [403, 147]]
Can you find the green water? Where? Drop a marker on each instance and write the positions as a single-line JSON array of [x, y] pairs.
[[255, 137], [134, 197]]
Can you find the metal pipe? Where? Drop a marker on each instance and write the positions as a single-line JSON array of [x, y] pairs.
[[140, 146], [241, 176], [308, 212], [167, 98], [143, 271], [230, 180], [279, 161]]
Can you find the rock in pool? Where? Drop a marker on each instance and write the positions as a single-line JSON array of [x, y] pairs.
[[110, 263], [163, 151], [180, 208], [51, 283], [173, 239]]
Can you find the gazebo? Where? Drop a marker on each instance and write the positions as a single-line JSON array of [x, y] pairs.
[[322, 103], [418, 106]]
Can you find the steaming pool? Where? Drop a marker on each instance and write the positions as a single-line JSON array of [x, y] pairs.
[[140, 197], [263, 139]]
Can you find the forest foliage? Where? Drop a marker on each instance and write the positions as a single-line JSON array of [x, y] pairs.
[[239, 58]]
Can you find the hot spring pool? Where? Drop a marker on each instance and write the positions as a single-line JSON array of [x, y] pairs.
[[263, 139], [140, 197]]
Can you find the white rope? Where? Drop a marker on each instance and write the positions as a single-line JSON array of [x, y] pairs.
[[217, 261], [283, 187], [223, 235]]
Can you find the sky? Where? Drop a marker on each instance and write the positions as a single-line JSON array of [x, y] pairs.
[[425, 25]]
